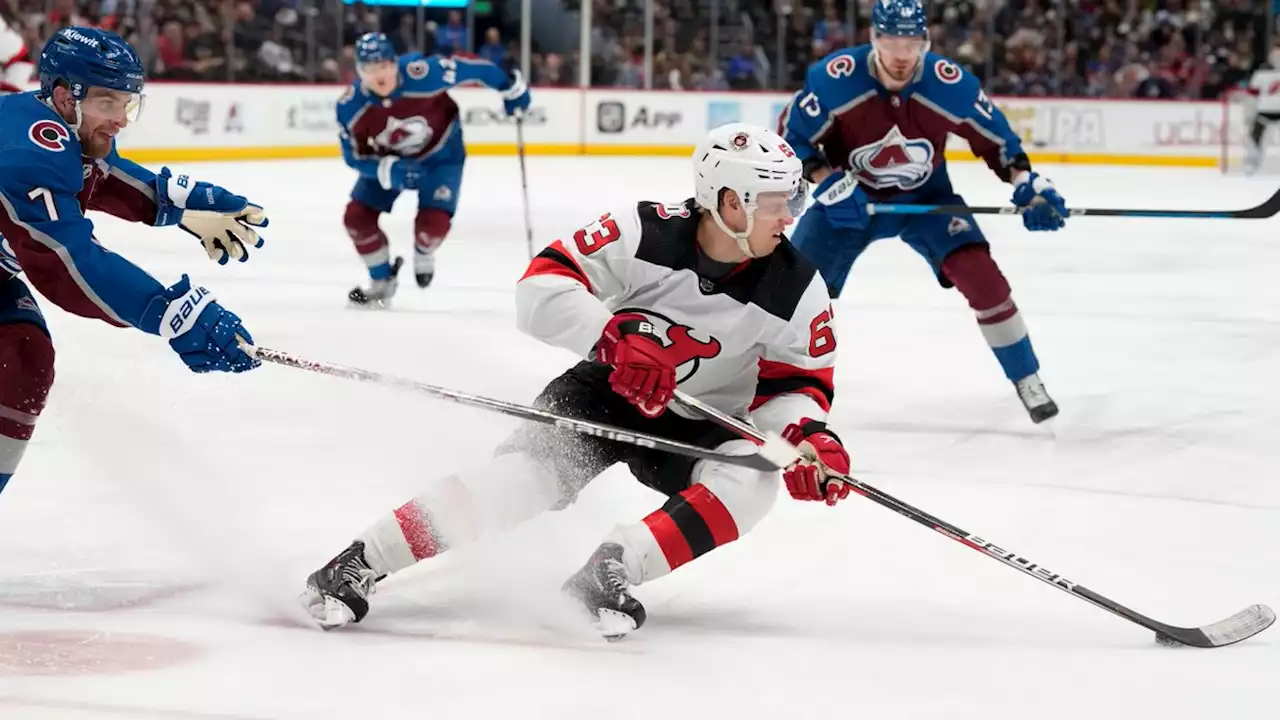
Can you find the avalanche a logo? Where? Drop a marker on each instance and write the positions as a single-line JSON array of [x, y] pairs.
[[404, 136], [893, 161], [686, 352]]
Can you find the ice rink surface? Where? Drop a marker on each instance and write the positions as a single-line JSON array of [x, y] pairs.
[[162, 522]]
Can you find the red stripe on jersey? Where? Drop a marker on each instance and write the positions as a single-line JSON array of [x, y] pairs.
[[117, 197], [50, 275], [718, 518], [556, 260], [672, 541], [778, 378], [416, 530], [20, 56]]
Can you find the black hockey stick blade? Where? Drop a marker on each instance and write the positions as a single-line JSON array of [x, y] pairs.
[[754, 460], [1269, 208]]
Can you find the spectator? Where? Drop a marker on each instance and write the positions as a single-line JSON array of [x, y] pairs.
[[492, 49], [454, 35], [741, 73], [1101, 48], [170, 51]]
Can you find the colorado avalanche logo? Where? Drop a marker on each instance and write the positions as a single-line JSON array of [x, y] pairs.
[[49, 135], [893, 161], [686, 352], [404, 136]]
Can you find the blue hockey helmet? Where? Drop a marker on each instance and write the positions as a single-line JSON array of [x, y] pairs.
[[374, 47], [902, 18], [83, 57]]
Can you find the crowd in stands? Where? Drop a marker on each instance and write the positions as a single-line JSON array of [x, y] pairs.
[[1104, 48]]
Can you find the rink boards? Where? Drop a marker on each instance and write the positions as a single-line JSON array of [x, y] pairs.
[[192, 122]]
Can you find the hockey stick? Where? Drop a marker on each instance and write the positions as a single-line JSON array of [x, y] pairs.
[[755, 461], [1267, 209], [524, 183], [1241, 626]]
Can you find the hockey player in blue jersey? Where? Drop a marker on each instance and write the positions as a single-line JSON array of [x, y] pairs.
[[871, 125], [401, 131], [58, 161]]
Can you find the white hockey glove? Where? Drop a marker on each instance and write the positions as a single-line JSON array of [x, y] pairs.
[[224, 222], [226, 236]]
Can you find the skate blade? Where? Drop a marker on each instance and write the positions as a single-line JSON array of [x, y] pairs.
[[370, 306], [330, 613], [614, 625]]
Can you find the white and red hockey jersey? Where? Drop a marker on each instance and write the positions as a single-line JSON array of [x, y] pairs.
[[15, 62], [760, 340]]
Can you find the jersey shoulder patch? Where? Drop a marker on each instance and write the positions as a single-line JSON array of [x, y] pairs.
[[38, 143], [49, 135], [945, 82], [352, 101], [417, 69]]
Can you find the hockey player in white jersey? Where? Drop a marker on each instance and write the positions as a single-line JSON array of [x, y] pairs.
[[706, 295], [1264, 85], [15, 61]]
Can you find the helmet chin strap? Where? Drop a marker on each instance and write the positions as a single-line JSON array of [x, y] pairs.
[[75, 126], [743, 237]]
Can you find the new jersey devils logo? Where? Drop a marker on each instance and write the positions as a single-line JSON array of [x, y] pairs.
[[686, 352], [893, 161], [404, 136]]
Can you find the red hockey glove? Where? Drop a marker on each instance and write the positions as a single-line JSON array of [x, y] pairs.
[[642, 372], [823, 467]]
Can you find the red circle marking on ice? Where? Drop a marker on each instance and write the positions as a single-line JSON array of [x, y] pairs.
[[82, 652]]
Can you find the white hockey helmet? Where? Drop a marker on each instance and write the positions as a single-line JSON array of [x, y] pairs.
[[749, 160]]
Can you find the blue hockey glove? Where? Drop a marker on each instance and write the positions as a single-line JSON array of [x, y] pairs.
[[397, 173], [1046, 210], [843, 201], [203, 333], [516, 99], [223, 221]]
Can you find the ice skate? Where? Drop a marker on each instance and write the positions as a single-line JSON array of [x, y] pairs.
[[337, 594], [602, 588], [1035, 399], [378, 294], [424, 267]]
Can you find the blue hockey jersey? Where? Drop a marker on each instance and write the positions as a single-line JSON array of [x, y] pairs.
[[45, 188], [894, 141], [418, 119]]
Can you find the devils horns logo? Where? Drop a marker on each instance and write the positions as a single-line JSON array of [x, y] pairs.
[[685, 351]]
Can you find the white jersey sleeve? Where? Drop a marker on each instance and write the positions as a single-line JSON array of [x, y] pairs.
[[797, 367], [561, 298], [1266, 83], [15, 64]]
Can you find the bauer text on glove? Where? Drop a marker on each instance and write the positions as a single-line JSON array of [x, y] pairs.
[[642, 371], [226, 224]]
